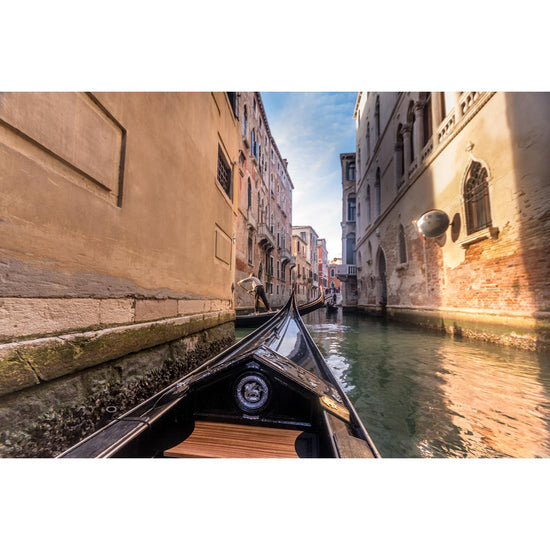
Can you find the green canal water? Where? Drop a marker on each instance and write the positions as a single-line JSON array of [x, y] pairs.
[[423, 394]]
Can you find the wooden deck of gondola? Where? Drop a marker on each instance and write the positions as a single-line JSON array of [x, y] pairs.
[[221, 440]]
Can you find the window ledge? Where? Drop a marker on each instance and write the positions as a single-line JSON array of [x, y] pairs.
[[487, 233], [402, 267]]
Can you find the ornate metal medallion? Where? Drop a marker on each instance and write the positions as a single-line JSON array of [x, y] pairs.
[[252, 393]]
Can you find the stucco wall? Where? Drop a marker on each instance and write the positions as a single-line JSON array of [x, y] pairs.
[[160, 240], [506, 275], [115, 235]]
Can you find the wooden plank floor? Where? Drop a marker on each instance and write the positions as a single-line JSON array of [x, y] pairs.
[[219, 440]]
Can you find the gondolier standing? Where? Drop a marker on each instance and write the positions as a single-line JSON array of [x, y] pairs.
[[258, 289]]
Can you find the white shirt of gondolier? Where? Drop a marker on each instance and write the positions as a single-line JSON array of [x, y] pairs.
[[254, 282]]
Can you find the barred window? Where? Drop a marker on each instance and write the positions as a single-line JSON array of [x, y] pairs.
[[476, 199], [224, 173]]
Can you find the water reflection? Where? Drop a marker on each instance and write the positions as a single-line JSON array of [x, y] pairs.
[[421, 394]]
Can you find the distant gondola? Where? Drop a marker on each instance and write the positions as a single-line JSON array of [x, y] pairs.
[[270, 395], [255, 320], [331, 304]]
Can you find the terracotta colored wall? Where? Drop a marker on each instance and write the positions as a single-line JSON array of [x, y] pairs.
[[112, 196]]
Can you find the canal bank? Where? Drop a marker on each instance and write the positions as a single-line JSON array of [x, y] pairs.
[[423, 393], [524, 332], [56, 390]]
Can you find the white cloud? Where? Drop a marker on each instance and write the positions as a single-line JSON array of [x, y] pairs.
[[311, 131]]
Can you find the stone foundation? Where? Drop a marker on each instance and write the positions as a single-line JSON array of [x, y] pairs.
[[530, 333], [55, 390]]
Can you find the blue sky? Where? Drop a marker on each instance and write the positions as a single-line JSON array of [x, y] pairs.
[[311, 130]]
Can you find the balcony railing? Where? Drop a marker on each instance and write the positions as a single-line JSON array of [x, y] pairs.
[[427, 149], [446, 126], [286, 255], [265, 237], [468, 100], [251, 219], [346, 271]]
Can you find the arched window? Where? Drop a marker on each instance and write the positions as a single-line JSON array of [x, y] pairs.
[[368, 141], [350, 171], [369, 252], [411, 119], [402, 245], [476, 198], [249, 196], [350, 249], [377, 117], [399, 154], [351, 208], [367, 207], [427, 127], [245, 119], [377, 195]]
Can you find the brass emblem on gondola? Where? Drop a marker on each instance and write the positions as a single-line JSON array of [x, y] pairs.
[[252, 393], [335, 408]]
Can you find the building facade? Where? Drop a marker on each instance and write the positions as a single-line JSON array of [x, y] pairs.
[[347, 270], [118, 221], [302, 288], [264, 215], [308, 244], [334, 283], [322, 259], [478, 157]]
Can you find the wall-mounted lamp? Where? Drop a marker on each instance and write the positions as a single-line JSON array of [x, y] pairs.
[[432, 224]]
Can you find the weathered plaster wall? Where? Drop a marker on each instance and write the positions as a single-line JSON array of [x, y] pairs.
[[171, 201], [496, 282], [115, 234]]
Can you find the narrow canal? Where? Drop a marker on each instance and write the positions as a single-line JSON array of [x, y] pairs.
[[422, 394]]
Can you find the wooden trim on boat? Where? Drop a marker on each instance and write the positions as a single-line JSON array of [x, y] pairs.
[[220, 440]]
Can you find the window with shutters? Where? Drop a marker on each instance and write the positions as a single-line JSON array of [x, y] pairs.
[[224, 172]]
